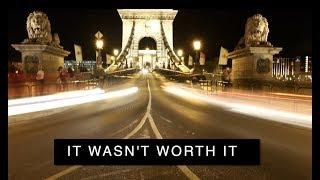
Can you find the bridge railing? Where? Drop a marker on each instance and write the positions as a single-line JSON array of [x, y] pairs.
[[118, 76], [29, 89], [174, 74], [214, 82], [123, 72]]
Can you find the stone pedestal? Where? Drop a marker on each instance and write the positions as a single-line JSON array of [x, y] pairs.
[[252, 65], [48, 56]]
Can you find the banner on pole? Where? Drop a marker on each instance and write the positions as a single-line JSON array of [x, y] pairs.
[[190, 61], [202, 59], [109, 58], [78, 53], [223, 58]]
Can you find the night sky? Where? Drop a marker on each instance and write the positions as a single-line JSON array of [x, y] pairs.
[[290, 29]]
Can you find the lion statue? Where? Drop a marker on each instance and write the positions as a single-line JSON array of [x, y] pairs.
[[39, 28], [56, 41], [256, 33]]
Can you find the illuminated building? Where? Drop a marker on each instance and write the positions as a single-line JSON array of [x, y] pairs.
[[287, 68]]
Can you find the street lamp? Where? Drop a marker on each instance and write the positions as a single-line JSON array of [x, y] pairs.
[[99, 45], [196, 47], [180, 52], [116, 52]]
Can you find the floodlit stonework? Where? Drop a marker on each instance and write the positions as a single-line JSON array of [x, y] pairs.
[[147, 24], [41, 48], [253, 56], [256, 33]]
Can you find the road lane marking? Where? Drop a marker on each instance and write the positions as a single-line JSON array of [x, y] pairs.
[[111, 173], [165, 118], [138, 127], [154, 127], [126, 127], [64, 172], [186, 171], [162, 117], [73, 168], [134, 131]]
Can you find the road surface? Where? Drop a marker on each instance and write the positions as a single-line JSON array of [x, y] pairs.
[[285, 150]]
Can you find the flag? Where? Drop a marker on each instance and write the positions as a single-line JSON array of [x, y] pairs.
[[202, 59], [223, 58], [190, 62], [78, 53], [109, 59]]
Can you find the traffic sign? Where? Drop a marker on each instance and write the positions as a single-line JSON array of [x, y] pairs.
[[98, 35]]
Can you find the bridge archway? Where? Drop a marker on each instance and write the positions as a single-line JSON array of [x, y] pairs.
[[154, 23], [147, 52], [147, 43], [147, 23]]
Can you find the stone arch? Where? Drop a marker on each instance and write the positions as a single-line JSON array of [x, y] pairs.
[[155, 36], [147, 42]]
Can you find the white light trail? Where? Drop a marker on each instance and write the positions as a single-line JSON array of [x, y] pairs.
[[63, 95], [58, 103], [303, 120]]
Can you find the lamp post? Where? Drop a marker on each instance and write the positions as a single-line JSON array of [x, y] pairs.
[[196, 47], [115, 53], [99, 45], [180, 53]]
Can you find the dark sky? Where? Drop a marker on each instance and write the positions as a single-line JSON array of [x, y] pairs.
[[290, 29]]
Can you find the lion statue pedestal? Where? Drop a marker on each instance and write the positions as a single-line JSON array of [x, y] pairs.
[[41, 48], [48, 57], [253, 56], [252, 65]]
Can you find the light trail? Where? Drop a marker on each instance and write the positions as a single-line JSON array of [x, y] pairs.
[[58, 103], [292, 95], [270, 97], [287, 117], [63, 95]]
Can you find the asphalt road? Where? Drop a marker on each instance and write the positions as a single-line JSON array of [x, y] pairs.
[[285, 150]]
